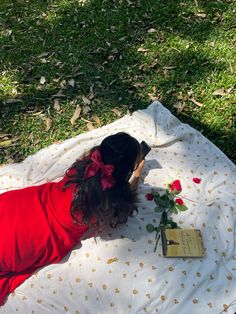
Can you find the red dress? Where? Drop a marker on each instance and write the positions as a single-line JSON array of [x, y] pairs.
[[36, 228]]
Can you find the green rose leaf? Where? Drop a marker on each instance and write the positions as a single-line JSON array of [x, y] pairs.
[[181, 207], [165, 197], [158, 209], [173, 224], [156, 199], [174, 210], [150, 228], [155, 194], [162, 202]]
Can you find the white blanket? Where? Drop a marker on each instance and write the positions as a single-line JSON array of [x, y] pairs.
[[139, 280]]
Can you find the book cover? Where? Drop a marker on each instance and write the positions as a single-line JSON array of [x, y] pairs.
[[182, 243]]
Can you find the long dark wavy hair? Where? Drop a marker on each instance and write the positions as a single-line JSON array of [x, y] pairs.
[[113, 205]]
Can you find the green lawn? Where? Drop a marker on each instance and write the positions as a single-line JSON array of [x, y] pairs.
[[99, 55]]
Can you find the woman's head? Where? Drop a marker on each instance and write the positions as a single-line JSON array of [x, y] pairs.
[[123, 152], [115, 203]]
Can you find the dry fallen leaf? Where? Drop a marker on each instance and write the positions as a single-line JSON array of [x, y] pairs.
[[44, 54], [139, 84], [220, 92], [43, 60], [58, 95], [71, 83], [42, 80], [90, 126], [122, 38], [12, 101], [142, 50], [117, 112], [190, 93], [179, 106], [75, 115], [96, 119], [4, 136], [56, 105], [196, 102], [169, 67], [85, 120], [141, 66], [179, 96], [153, 64], [86, 101], [63, 84], [152, 30], [112, 260], [86, 109], [48, 123], [38, 113], [75, 70], [153, 97], [91, 92], [5, 143], [201, 14]]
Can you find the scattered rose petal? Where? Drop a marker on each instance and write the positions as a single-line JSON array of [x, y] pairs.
[[179, 201], [149, 196], [197, 180]]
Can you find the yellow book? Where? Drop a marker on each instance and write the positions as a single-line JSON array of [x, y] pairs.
[[182, 243]]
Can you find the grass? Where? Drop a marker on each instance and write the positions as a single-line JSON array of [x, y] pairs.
[[118, 54]]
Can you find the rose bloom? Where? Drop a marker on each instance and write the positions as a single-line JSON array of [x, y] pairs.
[[197, 180], [176, 186], [149, 196], [179, 201]]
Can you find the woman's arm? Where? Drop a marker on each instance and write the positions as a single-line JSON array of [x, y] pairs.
[[136, 175]]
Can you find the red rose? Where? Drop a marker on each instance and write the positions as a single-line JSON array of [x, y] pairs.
[[197, 180], [179, 201], [149, 196], [176, 186]]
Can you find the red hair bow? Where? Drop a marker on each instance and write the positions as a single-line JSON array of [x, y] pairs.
[[107, 180]]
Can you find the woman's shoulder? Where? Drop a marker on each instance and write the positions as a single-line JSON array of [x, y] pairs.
[[69, 174]]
